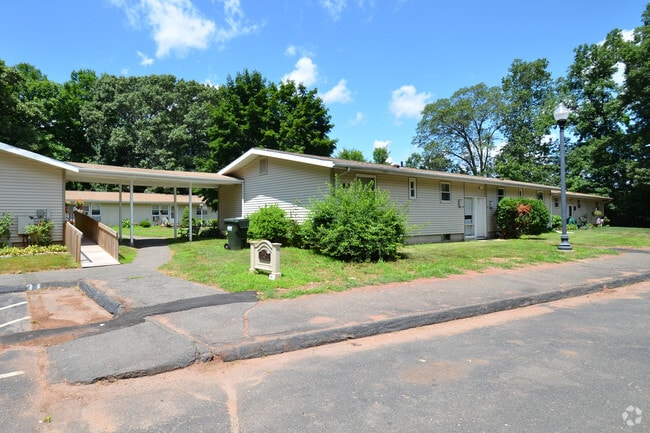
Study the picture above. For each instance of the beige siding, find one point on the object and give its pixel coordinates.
(230, 203)
(27, 186)
(287, 184)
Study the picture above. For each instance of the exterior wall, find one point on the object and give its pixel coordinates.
(291, 185)
(27, 186)
(430, 218)
(230, 203)
(285, 183)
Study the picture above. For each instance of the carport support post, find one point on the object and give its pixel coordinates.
(119, 214)
(131, 215)
(191, 215)
(175, 213)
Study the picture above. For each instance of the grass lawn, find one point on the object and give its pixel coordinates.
(208, 262)
(35, 263)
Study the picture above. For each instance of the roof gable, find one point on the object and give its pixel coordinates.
(36, 157)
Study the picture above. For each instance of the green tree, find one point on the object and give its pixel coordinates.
(636, 57)
(15, 129)
(155, 122)
(529, 99)
(69, 128)
(380, 155)
(464, 128)
(251, 112)
(600, 161)
(351, 155)
(431, 157)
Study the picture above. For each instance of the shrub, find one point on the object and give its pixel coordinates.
(185, 220)
(144, 223)
(355, 223)
(126, 223)
(522, 216)
(270, 223)
(5, 224)
(41, 233)
(556, 223)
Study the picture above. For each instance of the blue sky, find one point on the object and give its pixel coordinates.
(374, 62)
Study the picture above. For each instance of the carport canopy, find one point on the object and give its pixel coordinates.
(113, 175)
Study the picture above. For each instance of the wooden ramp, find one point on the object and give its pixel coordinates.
(94, 255)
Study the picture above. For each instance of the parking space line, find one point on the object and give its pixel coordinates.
(15, 321)
(12, 374)
(13, 305)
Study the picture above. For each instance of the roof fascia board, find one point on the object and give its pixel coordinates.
(253, 153)
(37, 157)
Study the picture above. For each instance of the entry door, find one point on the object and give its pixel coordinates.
(469, 217)
(480, 218)
(475, 218)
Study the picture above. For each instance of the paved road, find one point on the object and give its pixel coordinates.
(576, 365)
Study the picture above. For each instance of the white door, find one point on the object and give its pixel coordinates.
(480, 218)
(475, 218)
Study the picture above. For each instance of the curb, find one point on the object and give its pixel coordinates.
(108, 304)
(265, 347)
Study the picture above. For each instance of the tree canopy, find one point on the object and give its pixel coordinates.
(464, 127)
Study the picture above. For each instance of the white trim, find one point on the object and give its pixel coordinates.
(37, 157)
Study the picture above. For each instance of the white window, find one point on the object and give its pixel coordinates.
(412, 188)
(155, 213)
(264, 166)
(367, 180)
(501, 192)
(445, 191)
(540, 195)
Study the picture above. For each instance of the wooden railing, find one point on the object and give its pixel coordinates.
(72, 240)
(99, 233)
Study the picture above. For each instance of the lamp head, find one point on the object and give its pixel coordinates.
(561, 114)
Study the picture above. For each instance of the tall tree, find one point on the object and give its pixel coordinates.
(351, 155)
(464, 128)
(68, 127)
(15, 129)
(600, 160)
(380, 155)
(529, 95)
(251, 112)
(636, 57)
(154, 121)
(431, 157)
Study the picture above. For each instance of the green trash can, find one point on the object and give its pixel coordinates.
(236, 229)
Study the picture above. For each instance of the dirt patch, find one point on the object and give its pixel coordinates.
(58, 307)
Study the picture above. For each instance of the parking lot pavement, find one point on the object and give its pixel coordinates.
(14, 313)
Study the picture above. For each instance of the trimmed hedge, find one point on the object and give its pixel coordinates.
(522, 216)
(270, 223)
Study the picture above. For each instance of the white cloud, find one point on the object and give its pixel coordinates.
(334, 7)
(177, 26)
(236, 23)
(407, 102)
(358, 119)
(144, 59)
(291, 50)
(339, 93)
(381, 143)
(305, 72)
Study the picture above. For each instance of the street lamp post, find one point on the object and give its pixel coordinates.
(561, 114)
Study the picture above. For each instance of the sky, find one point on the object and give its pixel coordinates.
(375, 63)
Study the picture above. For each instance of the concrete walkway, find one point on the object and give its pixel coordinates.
(165, 323)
